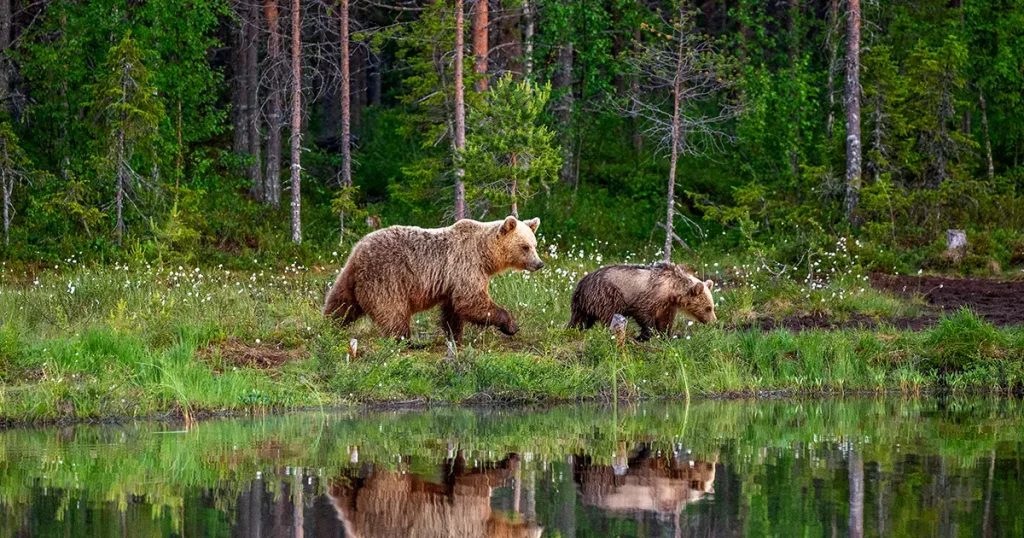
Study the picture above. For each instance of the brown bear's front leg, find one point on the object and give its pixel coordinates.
(480, 309)
(663, 323)
(451, 323)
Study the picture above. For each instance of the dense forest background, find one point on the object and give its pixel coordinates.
(205, 130)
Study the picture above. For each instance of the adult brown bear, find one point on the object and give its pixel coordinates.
(401, 270)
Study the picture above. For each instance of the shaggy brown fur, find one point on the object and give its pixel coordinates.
(650, 294)
(643, 482)
(401, 270)
(388, 503)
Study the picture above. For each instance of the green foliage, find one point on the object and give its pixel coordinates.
(962, 341)
(509, 155)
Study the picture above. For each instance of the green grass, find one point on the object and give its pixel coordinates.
(98, 341)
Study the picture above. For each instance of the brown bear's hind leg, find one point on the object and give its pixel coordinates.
(341, 303)
(451, 324)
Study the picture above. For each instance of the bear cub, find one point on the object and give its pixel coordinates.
(650, 294)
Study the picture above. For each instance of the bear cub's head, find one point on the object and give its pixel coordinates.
(517, 244)
(692, 296)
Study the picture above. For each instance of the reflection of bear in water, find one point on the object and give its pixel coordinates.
(644, 482)
(399, 504)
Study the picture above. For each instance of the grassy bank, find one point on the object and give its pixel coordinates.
(139, 339)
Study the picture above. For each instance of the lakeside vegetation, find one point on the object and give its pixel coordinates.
(85, 341)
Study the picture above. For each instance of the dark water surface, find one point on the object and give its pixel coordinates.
(854, 467)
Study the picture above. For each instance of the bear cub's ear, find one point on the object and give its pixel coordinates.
(697, 289)
(709, 284)
(533, 223)
(508, 225)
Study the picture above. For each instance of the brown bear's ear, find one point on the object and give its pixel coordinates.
(709, 284)
(507, 226)
(533, 223)
(697, 289)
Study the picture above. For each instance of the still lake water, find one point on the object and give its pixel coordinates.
(853, 467)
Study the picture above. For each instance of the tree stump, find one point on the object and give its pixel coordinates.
(956, 245)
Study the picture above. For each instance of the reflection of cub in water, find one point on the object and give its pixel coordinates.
(393, 504)
(644, 482)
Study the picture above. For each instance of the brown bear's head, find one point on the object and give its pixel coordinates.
(516, 246)
(694, 297)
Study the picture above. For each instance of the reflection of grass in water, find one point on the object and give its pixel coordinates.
(114, 462)
(140, 341)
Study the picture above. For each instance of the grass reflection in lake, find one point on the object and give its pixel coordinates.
(888, 467)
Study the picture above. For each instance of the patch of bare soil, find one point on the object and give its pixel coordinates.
(235, 352)
(998, 302)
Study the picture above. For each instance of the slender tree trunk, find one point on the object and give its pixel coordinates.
(252, 74)
(986, 520)
(514, 191)
(7, 184)
(563, 110)
(988, 141)
(374, 88)
(296, 127)
(528, 38)
(346, 135)
(460, 112)
(853, 147)
(856, 477)
(5, 44)
(480, 44)
(634, 90)
(275, 120)
(670, 211)
(299, 517)
(240, 83)
(833, 53)
(121, 182)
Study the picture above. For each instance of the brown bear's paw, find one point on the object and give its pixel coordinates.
(508, 325)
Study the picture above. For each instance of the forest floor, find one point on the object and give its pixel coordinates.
(91, 342)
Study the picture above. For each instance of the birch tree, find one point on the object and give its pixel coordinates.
(852, 98)
(13, 170)
(346, 116)
(460, 112)
(296, 126)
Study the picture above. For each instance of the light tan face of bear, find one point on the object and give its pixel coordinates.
(517, 244)
(696, 301)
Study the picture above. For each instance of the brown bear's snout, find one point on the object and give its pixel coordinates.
(537, 266)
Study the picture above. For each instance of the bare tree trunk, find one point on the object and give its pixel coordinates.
(480, 44)
(5, 44)
(833, 53)
(346, 135)
(856, 477)
(121, 182)
(515, 190)
(563, 110)
(853, 147)
(670, 212)
(988, 141)
(374, 87)
(7, 184)
(253, 86)
(634, 90)
(239, 84)
(275, 120)
(460, 112)
(986, 520)
(528, 38)
(299, 517)
(296, 128)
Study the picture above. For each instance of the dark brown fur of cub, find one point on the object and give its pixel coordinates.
(650, 294)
